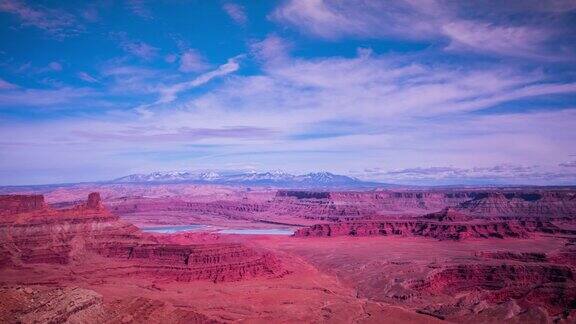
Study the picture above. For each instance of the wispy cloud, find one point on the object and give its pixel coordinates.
(55, 22)
(334, 19)
(236, 12)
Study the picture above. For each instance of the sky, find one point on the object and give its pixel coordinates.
(409, 91)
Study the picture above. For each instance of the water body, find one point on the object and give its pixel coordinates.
(271, 231)
(173, 229)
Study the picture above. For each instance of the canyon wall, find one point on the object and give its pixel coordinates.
(437, 230)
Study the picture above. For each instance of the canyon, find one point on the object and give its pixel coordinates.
(83, 254)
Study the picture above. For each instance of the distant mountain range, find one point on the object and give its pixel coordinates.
(274, 179)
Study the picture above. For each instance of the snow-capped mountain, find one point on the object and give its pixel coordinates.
(252, 178)
(156, 177)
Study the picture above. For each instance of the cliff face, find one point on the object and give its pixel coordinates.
(73, 236)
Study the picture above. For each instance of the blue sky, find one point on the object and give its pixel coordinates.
(416, 92)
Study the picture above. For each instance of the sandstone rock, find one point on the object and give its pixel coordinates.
(71, 235)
